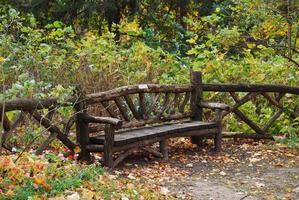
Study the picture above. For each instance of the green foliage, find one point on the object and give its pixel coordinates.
(105, 44)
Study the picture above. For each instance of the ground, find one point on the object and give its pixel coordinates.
(245, 169)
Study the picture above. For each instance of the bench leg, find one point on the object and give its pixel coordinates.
(217, 142)
(164, 149)
(108, 159)
(108, 146)
(217, 139)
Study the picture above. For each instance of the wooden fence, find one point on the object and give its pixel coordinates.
(43, 111)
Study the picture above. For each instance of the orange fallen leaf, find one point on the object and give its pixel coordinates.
(77, 149)
(41, 181)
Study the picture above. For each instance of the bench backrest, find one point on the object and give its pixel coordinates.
(143, 104)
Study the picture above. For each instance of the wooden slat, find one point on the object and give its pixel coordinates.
(165, 104)
(244, 118)
(179, 116)
(134, 135)
(67, 127)
(154, 104)
(184, 103)
(95, 148)
(125, 90)
(109, 109)
(234, 96)
(250, 88)
(122, 109)
(279, 96)
(51, 112)
(203, 132)
(240, 102)
(272, 120)
(32, 104)
(132, 107)
(142, 105)
(272, 100)
(173, 104)
(250, 123)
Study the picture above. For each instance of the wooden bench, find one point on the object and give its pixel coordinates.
(140, 115)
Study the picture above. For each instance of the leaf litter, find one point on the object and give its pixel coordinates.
(260, 169)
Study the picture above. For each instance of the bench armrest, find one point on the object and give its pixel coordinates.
(105, 120)
(214, 105)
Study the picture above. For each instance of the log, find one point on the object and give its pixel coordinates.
(246, 135)
(250, 88)
(108, 108)
(53, 129)
(132, 107)
(122, 109)
(33, 104)
(125, 90)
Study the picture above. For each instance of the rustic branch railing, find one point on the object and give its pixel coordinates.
(272, 93)
(34, 108)
(250, 88)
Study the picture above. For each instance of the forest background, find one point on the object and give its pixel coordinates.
(46, 47)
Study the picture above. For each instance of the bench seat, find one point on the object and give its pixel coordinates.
(124, 137)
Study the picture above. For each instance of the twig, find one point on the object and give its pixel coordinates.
(244, 196)
(3, 113)
(29, 144)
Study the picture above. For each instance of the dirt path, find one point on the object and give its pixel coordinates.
(250, 171)
(275, 183)
(245, 169)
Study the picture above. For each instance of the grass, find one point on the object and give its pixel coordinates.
(51, 176)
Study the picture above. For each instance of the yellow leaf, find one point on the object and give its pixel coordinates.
(2, 59)
(77, 149)
(191, 41)
(250, 45)
(39, 180)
